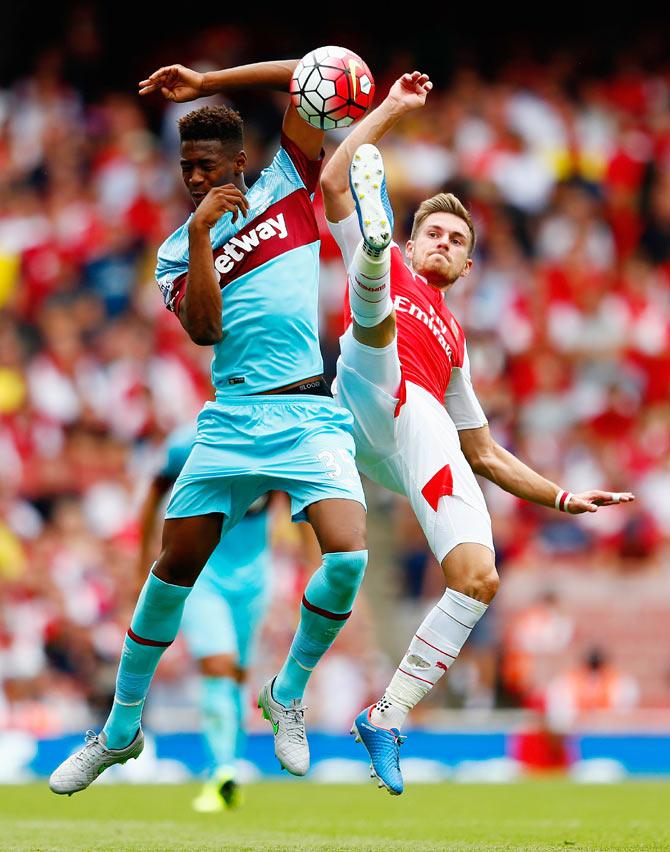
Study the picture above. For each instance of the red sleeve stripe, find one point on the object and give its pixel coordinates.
(308, 170)
(178, 291)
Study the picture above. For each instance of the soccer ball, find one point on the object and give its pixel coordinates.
(332, 87)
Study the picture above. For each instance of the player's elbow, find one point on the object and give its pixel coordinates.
(481, 459)
(202, 331)
(332, 183)
(206, 336)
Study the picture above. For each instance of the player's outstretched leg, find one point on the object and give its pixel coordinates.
(434, 647)
(153, 628)
(370, 270)
(326, 606)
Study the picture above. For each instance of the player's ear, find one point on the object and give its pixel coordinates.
(409, 249)
(239, 162)
(467, 268)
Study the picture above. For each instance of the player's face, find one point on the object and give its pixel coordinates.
(206, 164)
(439, 250)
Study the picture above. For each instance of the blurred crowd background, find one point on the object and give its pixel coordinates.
(563, 155)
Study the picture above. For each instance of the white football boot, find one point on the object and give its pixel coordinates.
(84, 766)
(367, 182)
(288, 726)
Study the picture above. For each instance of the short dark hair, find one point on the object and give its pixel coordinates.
(213, 122)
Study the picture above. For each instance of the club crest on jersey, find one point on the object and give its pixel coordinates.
(238, 247)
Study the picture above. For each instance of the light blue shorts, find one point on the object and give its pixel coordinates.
(221, 622)
(247, 446)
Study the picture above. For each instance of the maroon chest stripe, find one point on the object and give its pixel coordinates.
(285, 225)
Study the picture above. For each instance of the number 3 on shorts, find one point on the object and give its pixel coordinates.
(335, 462)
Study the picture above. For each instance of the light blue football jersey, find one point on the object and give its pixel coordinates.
(268, 266)
(240, 564)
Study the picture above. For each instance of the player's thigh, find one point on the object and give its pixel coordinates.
(379, 365)
(187, 544)
(208, 625)
(368, 387)
(339, 525)
(438, 480)
(318, 472)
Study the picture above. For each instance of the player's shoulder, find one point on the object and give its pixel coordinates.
(173, 247)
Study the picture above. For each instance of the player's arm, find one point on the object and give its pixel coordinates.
(178, 83)
(199, 310)
(406, 94)
(488, 459)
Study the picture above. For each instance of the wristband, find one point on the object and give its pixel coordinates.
(562, 500)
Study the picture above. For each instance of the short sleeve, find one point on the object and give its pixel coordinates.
(347, 235)
(173, 290)
(460, 399)
(309, 170)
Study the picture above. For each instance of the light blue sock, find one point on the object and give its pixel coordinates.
(326, 605)
(241, 701)
(154, 625)
(220, 720)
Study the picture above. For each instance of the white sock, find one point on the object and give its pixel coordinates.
(435, 646)
(370, 286)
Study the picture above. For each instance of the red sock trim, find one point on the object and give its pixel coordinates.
(152, 642)
(416, 677)
(434, 647)
(335, 616)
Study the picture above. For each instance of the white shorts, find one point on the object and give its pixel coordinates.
(406, 441)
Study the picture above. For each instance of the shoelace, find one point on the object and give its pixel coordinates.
(399, 740)
(85, 756)
(295, 724)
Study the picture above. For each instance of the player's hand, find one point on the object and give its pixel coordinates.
(176, 83)
(218, 201)
(590, 501)
(411, 90)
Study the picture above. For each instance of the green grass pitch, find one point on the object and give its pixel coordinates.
(302, 816)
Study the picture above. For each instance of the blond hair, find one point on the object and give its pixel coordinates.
(444, 202)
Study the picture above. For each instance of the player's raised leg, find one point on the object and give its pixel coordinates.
(187, 544)
(326, 605)
(370, 268)
(354, 179)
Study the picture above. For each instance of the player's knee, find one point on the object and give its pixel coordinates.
(219, 665)
(483, 584)
(174, 571)
(345, 570)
